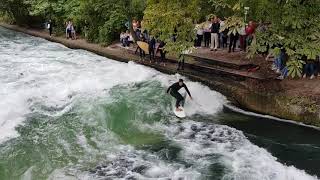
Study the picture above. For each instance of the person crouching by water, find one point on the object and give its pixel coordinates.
(174, 91)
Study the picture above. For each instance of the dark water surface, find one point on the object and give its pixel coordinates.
(291, 144)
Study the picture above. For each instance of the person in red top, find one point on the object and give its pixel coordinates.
(250, 30)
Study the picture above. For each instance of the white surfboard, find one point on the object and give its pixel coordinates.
(181, 114)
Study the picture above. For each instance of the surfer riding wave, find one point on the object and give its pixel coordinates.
(174, 91)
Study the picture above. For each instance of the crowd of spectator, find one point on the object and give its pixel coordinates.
(213, 35)
(154, 46)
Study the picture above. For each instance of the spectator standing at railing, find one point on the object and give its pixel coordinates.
(250, 30)
(68, 29)
(223, 35)
(242, 35)
(207, 33)
(215, 28)
(141, 51)
(73, 32)
(152, 47)
(199, 39)
(233, 41)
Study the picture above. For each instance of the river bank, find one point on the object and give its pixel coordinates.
(290, 99)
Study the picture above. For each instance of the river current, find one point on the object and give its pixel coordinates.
(70, 114)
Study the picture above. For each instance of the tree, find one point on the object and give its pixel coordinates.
(17, 10)
(102, 21)
(172, 22)
(105, 20)
(291, 24)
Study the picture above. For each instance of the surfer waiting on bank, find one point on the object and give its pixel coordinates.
(174, 91)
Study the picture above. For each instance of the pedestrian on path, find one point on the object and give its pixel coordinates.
(73, 32)
(152, 47)
(68, 30)
(50, 27)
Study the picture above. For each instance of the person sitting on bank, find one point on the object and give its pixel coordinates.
(130, 38)
(124, 39)
(174, 91)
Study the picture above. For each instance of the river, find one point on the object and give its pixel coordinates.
(70, 114)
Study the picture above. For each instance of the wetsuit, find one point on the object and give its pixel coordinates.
(174, 91)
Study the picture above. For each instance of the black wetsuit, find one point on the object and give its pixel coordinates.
(174, 91)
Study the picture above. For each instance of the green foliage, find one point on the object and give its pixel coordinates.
(166, 18)
(5, 17)
(292, 24)
(295, 68)
(233, 24)
(109, 31)
(100, 20)
(17, 10)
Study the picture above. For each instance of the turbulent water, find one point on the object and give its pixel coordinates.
(70, 114)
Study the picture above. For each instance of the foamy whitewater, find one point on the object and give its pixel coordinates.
(43, 83)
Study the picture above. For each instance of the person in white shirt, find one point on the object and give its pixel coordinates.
(68, 29)
(215, 28)
(200, 32)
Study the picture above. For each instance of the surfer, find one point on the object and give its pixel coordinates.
(174, 91)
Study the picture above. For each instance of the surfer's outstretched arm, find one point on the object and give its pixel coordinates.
(186, 88)
(169, 89)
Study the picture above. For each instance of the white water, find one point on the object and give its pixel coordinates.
(37, 73)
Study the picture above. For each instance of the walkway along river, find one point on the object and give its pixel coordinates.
(70, 114)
